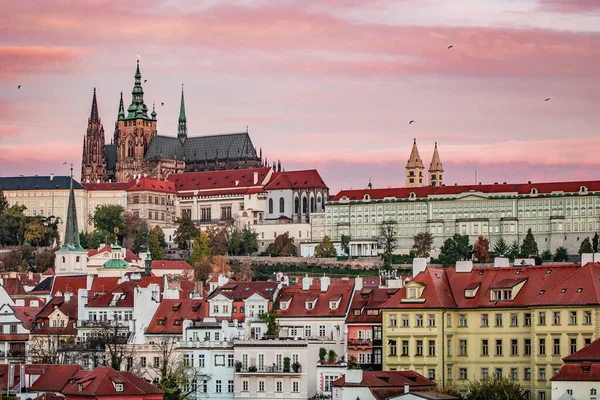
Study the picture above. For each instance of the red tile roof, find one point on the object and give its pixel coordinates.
(151, 185)
(388, 379)
(583, 365)
(129, 255)
(445, 288)
(13, 286)
(125, 290)
(71, 284)
(304, 179)
(368, 299)
(591, 352)
(299, 297)
(68, 308)
(169, 316)
(422, 192)
(166, 264)
(101, 382)
(27, 315)
(53, 378)
(243, 290)
(215, 180)
(92, 186)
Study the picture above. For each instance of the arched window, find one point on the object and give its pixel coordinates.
(297, 205)
(77, 259)
(281, 205)
(270, 206)
(304, 205)
(130, 148)
(312, 205)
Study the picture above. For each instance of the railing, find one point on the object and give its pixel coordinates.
(205, 343)
(12, 354)
(274, 369)
(360, 342)
(109, 324)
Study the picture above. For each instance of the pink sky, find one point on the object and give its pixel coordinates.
(322, 84)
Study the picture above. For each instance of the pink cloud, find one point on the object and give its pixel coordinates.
(18, 61)
(38, 152)
(571, 6)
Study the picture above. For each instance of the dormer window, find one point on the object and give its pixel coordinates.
(413, 293)
(412, 195)
(119, 387)
(534, 191)
(178, 322)
(583, 189)
(357, 312)
(80, 387)
(367, 197)
(309, 305)
(333, 305)
(162, 321)
(284, 304)
(501, 294)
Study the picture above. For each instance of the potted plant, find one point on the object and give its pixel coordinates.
(252, 368)
(332, 356)
(296, 366)
(286, 364)
(322, 354)
(238, 366)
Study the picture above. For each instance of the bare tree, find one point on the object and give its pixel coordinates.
(387, 241)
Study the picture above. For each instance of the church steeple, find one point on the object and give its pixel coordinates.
(182, 125)
(94, 117)
(414, 168)
(93, 159)
(121, 108)
(72, 228)
(436, 170)
(137, 108)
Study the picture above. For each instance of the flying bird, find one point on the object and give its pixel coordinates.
(547, 99)
(145, 80)
(162, 103)
(19, 87)
(65, 163)
(449, 47)
(411, 121)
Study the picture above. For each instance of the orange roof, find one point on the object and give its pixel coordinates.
(304, 179)
(168, 318)
(105, 186)
(213, 180)
(299, 297)
(151, 184)
(170, 264)
(129, 255)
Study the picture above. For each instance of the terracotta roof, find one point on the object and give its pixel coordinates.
(169, 317)
(68, 284)
(579, 288)
(124, 290)
(437, 291)
(299, 297)
(591, 352)
(101, 382)
(151, 185)
(105, 186)
(214, 180)
(368, 299)
(27, 315)
(507, 283)
(388, 379)
(13, 286)
(166, 264)
(303, 179)
(68, 308)
(129, 255)
(243, 290)
(422, 192)
(53, 378)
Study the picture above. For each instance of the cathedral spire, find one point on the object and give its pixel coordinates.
(436, 170)
(182, 126)
(121, 114)
(137, 108)
(94, 117)
(414, 168)
(72, 229)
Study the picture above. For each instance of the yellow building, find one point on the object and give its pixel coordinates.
(455, 325)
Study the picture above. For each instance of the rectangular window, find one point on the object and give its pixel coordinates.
(498, 373)
(485, 374)
(245, 385)
(542, 318)
(556, 319)
(393, 320)
(541, 395)
(462, 374)
(498, 319)
(156, 362)
(573, 317)
(514, 374)
(230, 360)
(462, 320)
(527, 374)
(462, 347)
(498, 347)
(432, 348)
(279, 386)
(405, 320)
(419, 320)
(542, 374)
(431, 320)
(514, 347)
(485, 347)
(587, 317)
(542, 347)
(514, 319)
(261, 362)
(484, 320)
(419, 348)
(392, 344)
(295, 387)
(405, 348)
(201, 360)
(527, 319)
(556, 347)
(143, 361)
(261, 386)
(527, 347)
(321, 330)
(218, 386)
(573, 345)
(431, 373)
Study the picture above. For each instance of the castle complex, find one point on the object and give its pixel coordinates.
(136, 148)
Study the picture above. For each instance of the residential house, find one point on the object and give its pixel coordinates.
(152, 200)
(379, 385)
(579, 376)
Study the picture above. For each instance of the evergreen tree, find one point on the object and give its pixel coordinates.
(546, 255)
(529, 248)
(586, 246)
(514, 250)
(561, 254)
(501, 248)
(595, 240)
(325, 248)
(249, 241)
(456, 248)
(422, 243)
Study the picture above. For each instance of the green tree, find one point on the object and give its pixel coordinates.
(561, 254)
(235, 243)
(325, 248)
(422, 243)
(495, 389)
(387, 241)
(36, 233)
(249, 241)
(501, 248)
(201, 250)
(12, 226)
(595, 240)
(270, 318)
(529, 248)
(481, 249)
(345, 244)
(44, 260)
(546, 255)
(3, 202)
(93, 240)
(283, 246)
(108, 217)
(185, 233)
(514, 250)
(586, 246)
(157, 243)
(456, 248)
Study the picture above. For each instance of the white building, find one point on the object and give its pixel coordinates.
(579, 377)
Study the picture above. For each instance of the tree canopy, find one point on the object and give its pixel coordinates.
(495, 389)
(586, 246)
(529, 248)
(108, 217)
(422, 243)
(456, 248)
(157, 243)
(501, 248)
(283, 246)
(481, 249)
(185, 233)
(325, 248)
(561, 254)
(345, 244)
(387, 241)
(201, 250)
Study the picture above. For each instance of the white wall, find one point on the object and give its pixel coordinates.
(581, 389)
(275, 195)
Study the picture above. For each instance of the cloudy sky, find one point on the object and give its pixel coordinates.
(327, 84)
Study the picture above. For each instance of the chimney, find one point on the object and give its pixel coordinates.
(324, 283)
(358, 283)
(51, 176)
(419, 265)
(88, 282)
(30, 275)
(67, 297)
(354, 376)
(306, 282)
(464, 266)
(255, 177)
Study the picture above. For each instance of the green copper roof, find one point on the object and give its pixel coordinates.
(72, 228)
(121, 108)
(182, 126)
(137, 109)
(115, 263)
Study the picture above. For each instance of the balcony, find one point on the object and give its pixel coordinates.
(272, 370)
(109, 324)
(360, 343)
(196, 344)
(12, 354)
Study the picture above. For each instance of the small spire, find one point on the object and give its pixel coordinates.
(121, 114)
(182, 124)
(72, 229)
(94, 117)
(415, 141)
(153, 114)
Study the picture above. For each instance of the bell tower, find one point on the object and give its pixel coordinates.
(414, 169)
(135, 130)
(436, 171)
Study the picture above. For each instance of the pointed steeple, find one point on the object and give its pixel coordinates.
(436, 170)
(94, 117)
(137, 108)
(414, 161)
(153, 114)
(414, 168)
(72, 228)
(121, 114)
(370, 185)
(182, 125)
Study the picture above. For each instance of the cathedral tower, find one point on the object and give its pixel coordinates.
(93, 161)
(182, 125)
(414, 168)
(436, 171)
(134, 133)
